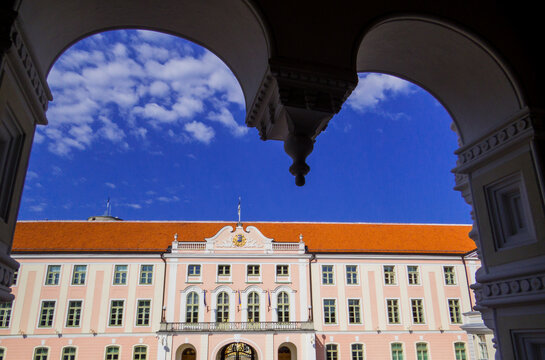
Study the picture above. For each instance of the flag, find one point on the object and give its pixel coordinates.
(204, 296)
(238, 297)
(269, 297)
(238, 209)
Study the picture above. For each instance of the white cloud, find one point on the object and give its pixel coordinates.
(225, 117)
(168, 199)
(133, 206)
(200, 131)
(374, 88)
(158, 88)
(31, 175)
(110, 185)
(38, 207)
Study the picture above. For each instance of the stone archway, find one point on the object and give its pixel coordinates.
(237, 351)
(186, 352)
(287, 351)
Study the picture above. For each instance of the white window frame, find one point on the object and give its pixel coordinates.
(126, 277)
(322, 274)
(357, 283)
(423, 311)
(193, 278)
(336, 312)
(74, 270)
(459, 311)
(40, 315)
(454, 275)
(418, 275)
(47, 272)
(140, 275)
(348, 311)
(384, 275)
(282, 279)
(136, 312)
(400, 322)
(124, 318)
(66, 313)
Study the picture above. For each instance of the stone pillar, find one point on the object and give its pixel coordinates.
(295, 103)
(501, 176)
(24, 96)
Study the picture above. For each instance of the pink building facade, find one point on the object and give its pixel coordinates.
(174, 290)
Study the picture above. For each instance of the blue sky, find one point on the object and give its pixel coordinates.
(156, 123)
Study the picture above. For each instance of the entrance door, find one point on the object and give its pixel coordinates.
(238, 351)
(284, 353)
(189, 354)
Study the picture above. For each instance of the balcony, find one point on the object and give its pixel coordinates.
(237, 326)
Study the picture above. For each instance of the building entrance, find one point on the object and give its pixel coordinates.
(237, 351)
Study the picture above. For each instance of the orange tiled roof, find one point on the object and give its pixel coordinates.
(149, 236)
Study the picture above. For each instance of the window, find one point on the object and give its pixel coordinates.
(68, 353)
(351, 274)
(146, 274)
(74, 313)
(14, 282)
(46, 314)
(224, 270)
(53, 275)
(192, 308)
(357, 351)
(120, 275)
(418, 311)
(112, 353)
(116, 313)
(283, 307)
(397, 351)
(5, 313)
(222, 312)
(450, 277)
(393, 311)
(143, 312)
(2, 353)
(460, 351)
(421, 351)
(282, 270)
(330, 314)
(253, 270)
(412, 273)
(194, 270)
(253, 307)
(78, 277)
(483, 349)
(389, 275)
(354, 311)
(140, 353)
(454, 311)
(41, 353)
(327, 274)
(331, 352)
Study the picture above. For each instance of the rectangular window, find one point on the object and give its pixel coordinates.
(389, 275)
(357, 351)
(78, 278)
(69, 353)
(120, 275)
(331, 352)
(483, 349)
(422, 351)
(112, 353)
(351, 274)
(194, 270)
(327, 274)
(397, 351)
(143, 312)
(330, 311)
(454, 311)
(146, 274)
(253, 270)
(282, 270)
(450, 277)
(46, 314)
(354, 311)
(393, 311)
(5, 313)
(224, 270)
(41, 353)
(53, 275)
(74, 313)
(418, 311)
(460, 350)
(140, 353)
(412, 273)
(116, 313)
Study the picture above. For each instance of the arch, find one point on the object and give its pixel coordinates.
(40, 353)
(243, 44)
(192, 307)
(188, 350)
(427, 52)
(222, 307)
(237, 351)
(283, 306)
(254, 304)
(217, 349)
(283, 355)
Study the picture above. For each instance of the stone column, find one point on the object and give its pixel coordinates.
(501, 176)
(295, 103)
(24, 96)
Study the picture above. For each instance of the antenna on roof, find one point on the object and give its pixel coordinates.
(108, 208)
(239, 223)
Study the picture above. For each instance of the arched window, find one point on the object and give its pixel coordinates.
(112, 353)
(460, 350)
(41, 353)
(140, 353)
(284, 353)
(357, 351)
(253, 307)
(192, 308)
(422, 351)
(2, 353)
(68, 353)
(331, 352)
(283, 307)
(397, 351)
(189, 354)
(222, 311)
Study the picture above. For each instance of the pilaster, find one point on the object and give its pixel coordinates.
(501, 176)
(295, 103)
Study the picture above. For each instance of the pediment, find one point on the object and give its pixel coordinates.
(238, 238)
